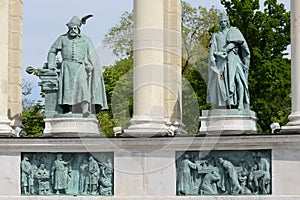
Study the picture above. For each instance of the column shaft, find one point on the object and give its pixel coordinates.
(294, 118)
(4, 40)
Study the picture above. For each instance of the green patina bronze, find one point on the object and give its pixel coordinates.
(229, 61)
(73, 87)
(67, 174)
(224, 172)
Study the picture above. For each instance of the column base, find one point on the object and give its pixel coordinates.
(5, 128)
(293, 126)
(71, 127)
(228, 122)
(146, 127)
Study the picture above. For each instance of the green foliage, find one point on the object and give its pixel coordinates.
(33, 120)
(118, 81)
(107, 123)
(120, 37)
(267, 32)
(197, 25)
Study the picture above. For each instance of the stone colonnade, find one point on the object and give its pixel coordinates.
(10, 64)
(157, 71)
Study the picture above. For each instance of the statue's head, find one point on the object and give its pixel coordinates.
(91, 158)
(59, 156)
(74, 26)
(187, 156)
(221, 160)
(26, 158)
(224, 20)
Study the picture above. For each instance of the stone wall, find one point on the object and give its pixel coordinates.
(145, 168)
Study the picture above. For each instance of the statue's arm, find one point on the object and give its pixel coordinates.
(212, 51)
(92, 59)
(55, 48)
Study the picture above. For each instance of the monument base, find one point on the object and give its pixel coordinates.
(228, 121)
(293, 126)
(71, 127)
(146, 168)
(290, 129)
(152, 127)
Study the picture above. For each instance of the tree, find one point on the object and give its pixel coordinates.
(26, 90)
(120, 37)
(33, 113)
(267, 33)
(33, 120)
(118, 81)
(197, 26)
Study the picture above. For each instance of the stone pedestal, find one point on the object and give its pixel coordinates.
(228, 121)
(71, 127)
(146, 168)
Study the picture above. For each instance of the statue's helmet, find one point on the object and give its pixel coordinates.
(75, 21)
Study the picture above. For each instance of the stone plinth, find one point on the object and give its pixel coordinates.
(228, 121)
(71, 127)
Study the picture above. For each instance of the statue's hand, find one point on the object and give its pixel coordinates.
(221, 54)
(89, 67)
(230, 46)
(52, 67)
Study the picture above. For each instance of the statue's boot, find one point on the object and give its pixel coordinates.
(85, 109)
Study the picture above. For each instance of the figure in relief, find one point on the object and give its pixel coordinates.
(26, 176)
(60, 175)
(43, 177)
(106, 184)
(93, 175)
(231, 175)
(185, 183)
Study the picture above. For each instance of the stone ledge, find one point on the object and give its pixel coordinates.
(273, 197)
(180, 143)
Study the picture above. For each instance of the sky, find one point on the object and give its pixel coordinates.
(45, 20)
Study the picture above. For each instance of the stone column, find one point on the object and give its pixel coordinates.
(157, 68)
(148, 117)
(172, 62)
(15, 61)
(4, 40)
(294, 118)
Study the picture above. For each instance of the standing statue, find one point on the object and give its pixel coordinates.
(81, 85)
(93, 175)
(185, 183)
(83, 176)
(60, 175)
(229, 61)
(26, 176)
